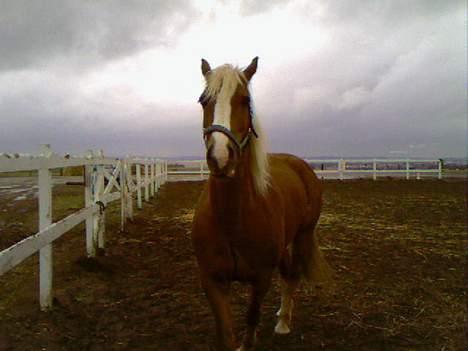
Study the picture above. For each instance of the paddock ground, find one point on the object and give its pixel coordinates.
(397, 248)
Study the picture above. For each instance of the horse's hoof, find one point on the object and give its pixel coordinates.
(282, 328)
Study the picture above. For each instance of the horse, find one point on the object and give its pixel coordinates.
(257, 212)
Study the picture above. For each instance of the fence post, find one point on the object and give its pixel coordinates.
(89, 201)
(201, 170)
(165, 171)
(158, 174)
(123, 194)
(99, 218)
(146, 182)
(407, 169)
(45, 219)
(138, 181)
(341, 167)
(128, 181)
(156, 188)
(155, 181)
(374, 168)
(441, 164)
(152, 178)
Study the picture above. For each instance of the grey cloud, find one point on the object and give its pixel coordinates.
(85, 32)
(388, 12)
(253, 7)
(376, 89)
(32, 116)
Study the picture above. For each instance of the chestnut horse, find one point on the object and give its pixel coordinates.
(257, 212)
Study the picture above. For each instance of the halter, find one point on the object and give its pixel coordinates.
(219, 128)
(240, 145)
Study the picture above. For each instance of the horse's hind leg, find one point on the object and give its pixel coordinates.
(288, 283)
(288, 287)
(303, 260)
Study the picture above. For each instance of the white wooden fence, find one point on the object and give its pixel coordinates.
(377, 167)
(121, 184)
(334, 168)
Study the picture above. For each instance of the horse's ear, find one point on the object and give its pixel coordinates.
(251, 69)
(205, 67)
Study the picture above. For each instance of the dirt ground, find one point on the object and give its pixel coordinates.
(397, 248)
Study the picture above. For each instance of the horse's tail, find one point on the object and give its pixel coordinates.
(314, 267)
(306, 252)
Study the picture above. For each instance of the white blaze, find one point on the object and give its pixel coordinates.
(222, 116)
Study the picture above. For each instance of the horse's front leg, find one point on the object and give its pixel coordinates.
(218, 294)
(259, 291)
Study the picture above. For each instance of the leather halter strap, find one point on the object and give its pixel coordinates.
(219, 128)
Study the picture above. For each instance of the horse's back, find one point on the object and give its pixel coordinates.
(302, 193)
(301, 188)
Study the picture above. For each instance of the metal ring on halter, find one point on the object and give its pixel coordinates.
(219, 128)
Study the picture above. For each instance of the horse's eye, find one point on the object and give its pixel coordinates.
(204, 98)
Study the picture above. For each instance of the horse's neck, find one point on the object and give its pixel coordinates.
(230, 197)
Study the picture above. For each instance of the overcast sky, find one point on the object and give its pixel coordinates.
(337, 78)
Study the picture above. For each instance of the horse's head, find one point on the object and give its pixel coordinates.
(227, 116)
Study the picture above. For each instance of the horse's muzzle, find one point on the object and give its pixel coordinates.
(228, 168)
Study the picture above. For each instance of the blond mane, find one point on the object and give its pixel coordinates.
(223, 80)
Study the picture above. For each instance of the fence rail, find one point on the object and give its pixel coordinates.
(336, 168)
(121, 184)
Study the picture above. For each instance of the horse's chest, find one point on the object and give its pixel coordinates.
(255, 249)
(240, 247)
